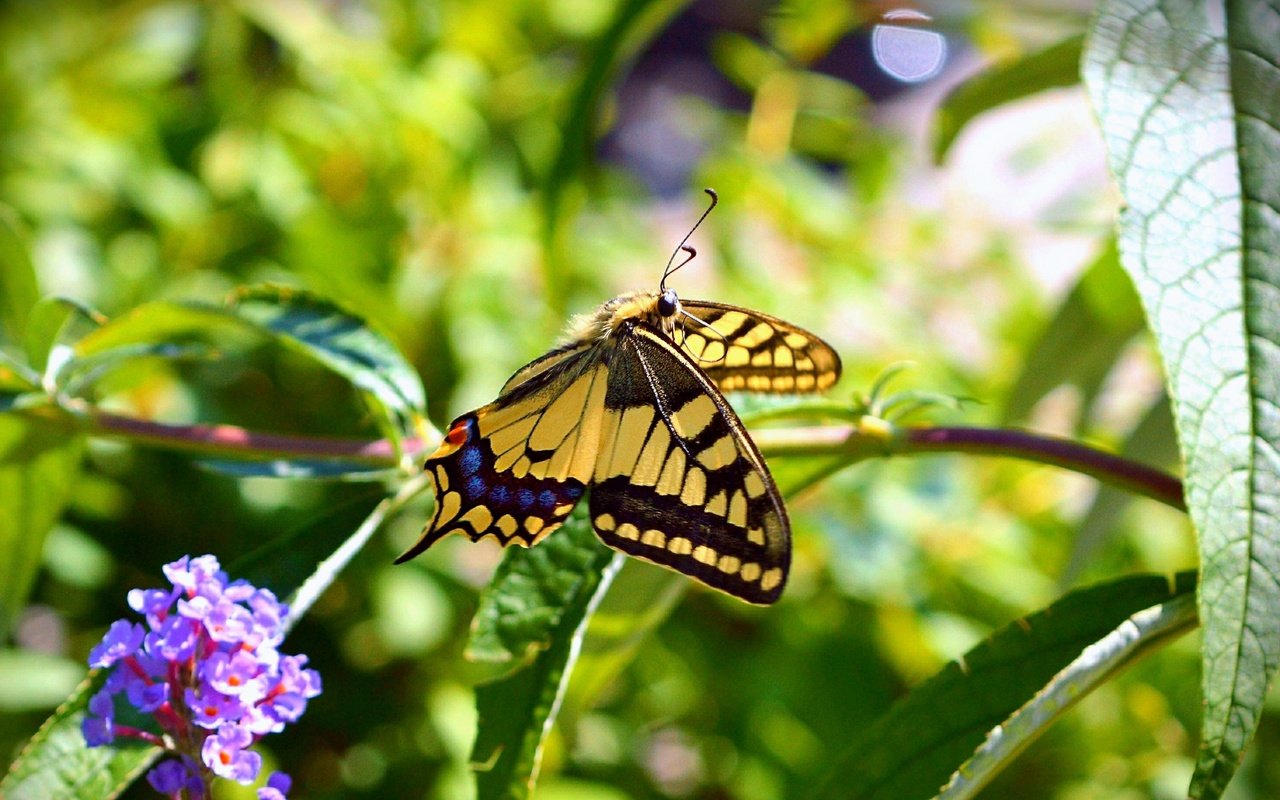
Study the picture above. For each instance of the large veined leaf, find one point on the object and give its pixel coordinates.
(916, 747)
(521, 607)
(1186, 95)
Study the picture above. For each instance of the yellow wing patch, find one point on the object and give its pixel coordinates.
(744, 350)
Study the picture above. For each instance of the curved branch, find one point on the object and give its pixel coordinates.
(872, 438)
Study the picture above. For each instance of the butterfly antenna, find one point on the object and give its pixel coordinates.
(666, 273)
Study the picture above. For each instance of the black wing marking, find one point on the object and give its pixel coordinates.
(678, 482)
(746, 350)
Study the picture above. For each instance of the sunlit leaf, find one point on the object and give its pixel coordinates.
(1136, 636)
(516, 710)
(1089, 331)
(55, 327)
(19, 289)
(38, 466)
(340, 340)
(522, 606)
(911, 751)
(1051, 68)
(56, 765)
(1189, 117)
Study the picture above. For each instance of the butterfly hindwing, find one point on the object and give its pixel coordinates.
(515, 468)
(678, 482)
(745, 350)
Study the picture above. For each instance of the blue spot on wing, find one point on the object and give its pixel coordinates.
(475, 487)
(500, 495)
(469, 460)
(547, 499)
(525, 499)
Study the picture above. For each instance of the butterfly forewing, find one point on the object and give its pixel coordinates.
(744, 350)
(678, 482)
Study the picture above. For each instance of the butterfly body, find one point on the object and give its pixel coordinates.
(629, 411)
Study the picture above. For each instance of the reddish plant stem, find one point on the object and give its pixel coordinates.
(232, 439)
(875, 440)
(869, 439)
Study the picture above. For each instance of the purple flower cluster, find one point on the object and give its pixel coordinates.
(207, 668)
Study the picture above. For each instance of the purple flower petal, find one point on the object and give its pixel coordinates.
(228, 623)
(155, 604)
(98, 726)
(277, 787)
(171, 776)
(225, 753)
(122, 638)
(230, 673)
(146, 696)
(175, 640)
(211, 708)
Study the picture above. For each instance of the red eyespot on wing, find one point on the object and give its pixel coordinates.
(457, 435)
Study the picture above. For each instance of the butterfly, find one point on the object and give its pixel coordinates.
(630, 410)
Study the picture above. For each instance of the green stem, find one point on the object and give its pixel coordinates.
(873, 438)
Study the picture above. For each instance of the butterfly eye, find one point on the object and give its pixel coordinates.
(668, 303)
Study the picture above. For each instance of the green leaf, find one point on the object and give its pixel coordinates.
(55, 326)
(38, 467)
(914, 748)
(56, 765)
(1133, 638)
(641, 598)
(19, 289)
(1089, 331)
(347, 344)
(1189, 116)
(521, 607)
(320, 329)
(1051, 68)
(634, 24)
(516, 710)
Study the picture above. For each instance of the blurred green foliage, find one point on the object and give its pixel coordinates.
(404, 158)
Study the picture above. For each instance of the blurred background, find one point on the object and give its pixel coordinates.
(468, 175)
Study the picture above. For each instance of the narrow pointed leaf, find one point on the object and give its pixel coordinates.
(1135, 637)
(39, 463)
(1189, 115)
(19, 289)
(516, 710)
(1054, 67)
(346, 343)
(911, 751)
(1080, 344)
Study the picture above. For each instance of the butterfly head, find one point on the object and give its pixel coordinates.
(668, 304)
